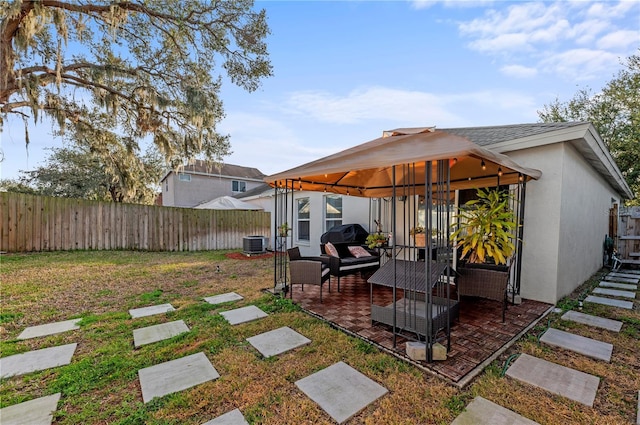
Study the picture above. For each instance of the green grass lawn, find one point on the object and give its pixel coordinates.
(101, 384)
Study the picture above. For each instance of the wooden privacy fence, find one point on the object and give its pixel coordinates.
(629, 235)
(38, 223)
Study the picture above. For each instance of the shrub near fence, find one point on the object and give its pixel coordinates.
(39, 223)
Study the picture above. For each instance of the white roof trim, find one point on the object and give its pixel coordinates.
(586, 140)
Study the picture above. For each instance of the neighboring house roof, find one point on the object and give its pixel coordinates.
(256, 192)
(226, 170)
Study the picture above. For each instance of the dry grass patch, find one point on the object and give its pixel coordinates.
(101, 384)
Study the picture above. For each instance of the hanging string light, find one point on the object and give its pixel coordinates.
(499, 172)
(483, 165)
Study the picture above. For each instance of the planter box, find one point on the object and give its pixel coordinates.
(420, 239)
(484, 281)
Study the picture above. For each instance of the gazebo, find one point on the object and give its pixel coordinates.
(409, 168)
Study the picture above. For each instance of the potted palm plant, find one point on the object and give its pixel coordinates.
(485, 234)
(487, 226)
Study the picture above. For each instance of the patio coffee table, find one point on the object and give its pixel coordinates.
(411, 311)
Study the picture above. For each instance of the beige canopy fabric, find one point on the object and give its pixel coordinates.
(367, 169)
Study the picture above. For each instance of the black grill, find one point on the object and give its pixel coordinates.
(346, 233)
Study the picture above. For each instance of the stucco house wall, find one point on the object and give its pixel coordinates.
(354, 210)
(542, 217)
(585, 206)
(566, 217)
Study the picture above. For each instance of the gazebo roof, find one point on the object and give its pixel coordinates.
(367, 169)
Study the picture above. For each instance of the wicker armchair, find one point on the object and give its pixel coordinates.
(490, 284)
(308, 270)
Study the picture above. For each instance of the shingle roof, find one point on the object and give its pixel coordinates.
(226, 170)
(258, 190)
(230, 170)
(486, 136)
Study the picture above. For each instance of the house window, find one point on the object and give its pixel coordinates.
(304, 222)
(166, 185)
(238, 186)
(332, 211)
(184, 177)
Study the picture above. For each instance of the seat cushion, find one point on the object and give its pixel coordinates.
(353, 263)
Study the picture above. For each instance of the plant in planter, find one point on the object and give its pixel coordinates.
(376, 240)
(418, 235)
(487, 228)
(284, 229)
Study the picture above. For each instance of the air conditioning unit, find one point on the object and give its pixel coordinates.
(252, 245)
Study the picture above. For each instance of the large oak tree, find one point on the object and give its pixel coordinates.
(112, 74)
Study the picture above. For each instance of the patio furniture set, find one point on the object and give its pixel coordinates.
(409, 312)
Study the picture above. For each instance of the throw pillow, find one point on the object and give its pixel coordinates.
(359, 252)
(331, 250)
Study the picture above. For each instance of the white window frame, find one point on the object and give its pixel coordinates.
(240, 185)
(184, 177)
(303, 220)
(325, 200)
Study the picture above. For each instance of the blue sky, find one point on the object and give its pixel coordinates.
(344, 71)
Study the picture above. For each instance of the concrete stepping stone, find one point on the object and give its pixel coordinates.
(627, 275)
(587, 319)
(223, 298)
(341, 391)
(37, 360)
(243, 314)
(633, 280)
(564, 381)
(615, 285)
(157, 333)
(233, 417)
(175, 375)
(614, 293)
(484, 412)
(49, 329)
(38, 411)
(150, 311)
(278, 341)
(610, 302)
(579, 344)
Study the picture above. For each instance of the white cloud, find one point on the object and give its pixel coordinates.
(519, 71)
(581, 64)
(424, 4)
(619, 39)
(501, 43)
(373, 103)
(272, 141)
(611, 10)
(574, 39)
